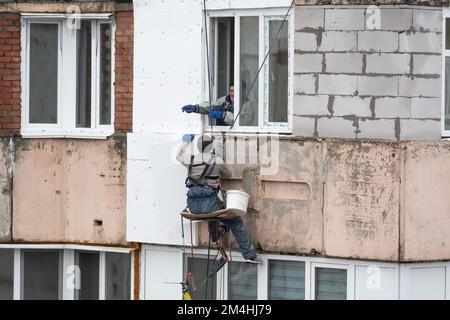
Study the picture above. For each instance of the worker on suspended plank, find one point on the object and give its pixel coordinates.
(204, 173)
(222, 110)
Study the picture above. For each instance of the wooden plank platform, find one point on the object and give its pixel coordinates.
(221, 214)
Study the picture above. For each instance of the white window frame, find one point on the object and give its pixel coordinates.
(350, 277)
(236, 257)
(101, 272)
(263, 271)
(292, 259)
(265, 15)
(445, 53)
(67, 259)
(61, 277)
(311, 263)
(406, 280)
(221, 276)
(66, 117)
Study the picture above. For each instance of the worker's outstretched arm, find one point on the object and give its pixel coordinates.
(206, 108)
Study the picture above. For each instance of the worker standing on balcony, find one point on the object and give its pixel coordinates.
(205, 171)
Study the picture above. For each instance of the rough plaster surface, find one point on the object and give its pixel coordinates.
(6, 166)
(62, 186)
(361, 200)
(370, 200)
(426, 213)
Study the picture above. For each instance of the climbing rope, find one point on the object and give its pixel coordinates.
(208, 64)
(231, 127)
(207, 268)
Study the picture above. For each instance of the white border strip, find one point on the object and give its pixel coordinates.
(67, 15)
(67, 247)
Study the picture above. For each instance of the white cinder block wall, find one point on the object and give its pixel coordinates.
(354, 81)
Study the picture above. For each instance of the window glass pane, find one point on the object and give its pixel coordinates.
(84, 69)
(249, 64)
(242, 281)
(43, 73)
(41, 275)
(278, 72)
(198, 267)
(225, 55)
(88, 262)
(6, 274)
(447, 33)
(447, 93)
(118, 276)
(105, 73)
(287, 280)
(331, 284)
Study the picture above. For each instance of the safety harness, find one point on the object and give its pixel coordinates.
(202, 181)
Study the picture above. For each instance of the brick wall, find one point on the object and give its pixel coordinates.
(355, 81)
(124, 72)
(9, 74)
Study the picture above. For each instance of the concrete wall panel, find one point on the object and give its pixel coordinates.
(426, 214)
(6, 167)
(361, 200)
(70, 191)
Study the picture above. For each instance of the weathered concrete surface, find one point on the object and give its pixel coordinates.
(370, 200)
(293, 194)
(426, 211)
(290, 202)
(6, 168)
(361, 217)
(70, 191)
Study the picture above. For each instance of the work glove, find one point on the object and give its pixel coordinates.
(188, 137)
(216, 115)
(189, 108)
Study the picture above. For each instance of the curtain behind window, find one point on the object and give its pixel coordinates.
(286, 280)
(242, 281)
(331, 284)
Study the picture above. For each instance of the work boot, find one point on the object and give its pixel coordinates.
(255, 260)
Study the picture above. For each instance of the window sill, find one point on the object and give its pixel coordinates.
(249, 130)
(49, 134)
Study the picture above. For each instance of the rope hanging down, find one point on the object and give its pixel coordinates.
(207, 62)
(235, 119)
(263, 63)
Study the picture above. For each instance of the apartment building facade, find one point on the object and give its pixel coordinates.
(66, 75)
(344, 130)
(346, 124)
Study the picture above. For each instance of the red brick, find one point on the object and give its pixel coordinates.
(11, 77)
(124, 71)
(13, 41)
(13, 65)
(15, 53)
(11, 125)
(10, 87)
(4, 83)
